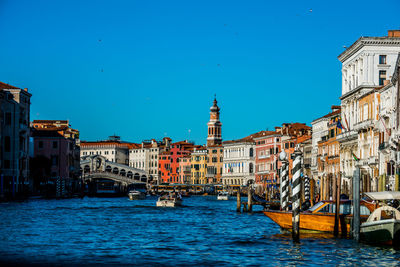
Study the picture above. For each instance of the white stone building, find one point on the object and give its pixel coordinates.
(366, 65)
(238, 162)
(113, 150)
(145, 156)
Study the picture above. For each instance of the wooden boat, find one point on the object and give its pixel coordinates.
(321, 217)
(169, 201)
(223, 195)
(383, 225)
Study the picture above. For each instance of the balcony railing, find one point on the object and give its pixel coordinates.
(346, 136)
(364, 124)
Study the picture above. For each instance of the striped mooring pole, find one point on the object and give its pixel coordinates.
(284, 181)
(296, 183)
(306, 188)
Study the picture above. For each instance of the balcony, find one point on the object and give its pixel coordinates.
(372, 161)
(263, 172)
(264, 157)
(363, 125)
(347, 136)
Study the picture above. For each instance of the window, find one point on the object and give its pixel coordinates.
(291, 144)
(7, 164)
(8, 118)
(54, 160)
(55, 144)
(382, 76)
(7, 144)
(251, 152)
(382, 59)
(40, 144)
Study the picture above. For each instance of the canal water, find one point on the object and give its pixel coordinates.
(115, 231)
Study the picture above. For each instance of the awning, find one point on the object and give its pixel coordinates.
(384, 195)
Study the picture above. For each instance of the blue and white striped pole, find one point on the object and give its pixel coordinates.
(296, 183)
(284, 181)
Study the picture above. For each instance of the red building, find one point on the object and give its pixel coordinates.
(268, 147)
(169, 161)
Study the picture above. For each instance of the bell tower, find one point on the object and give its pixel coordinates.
(214, 136)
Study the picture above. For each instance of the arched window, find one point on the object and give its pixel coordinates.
(251, 152)
(251, 168)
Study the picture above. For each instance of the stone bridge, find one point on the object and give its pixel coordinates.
(98, 167)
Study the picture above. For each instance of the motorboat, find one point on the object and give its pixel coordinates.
(135, 195)
(170, 200)
(223, 195)
(321, 216)
(383, 225)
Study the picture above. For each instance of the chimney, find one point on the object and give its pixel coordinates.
(393, 33)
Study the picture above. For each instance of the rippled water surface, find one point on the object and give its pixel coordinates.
(204, 232)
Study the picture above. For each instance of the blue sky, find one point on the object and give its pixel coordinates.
(149, 69)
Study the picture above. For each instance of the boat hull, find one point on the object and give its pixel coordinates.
(168, 203)
(381, 232)
(309, 222)
(222, 197)
(136, 196)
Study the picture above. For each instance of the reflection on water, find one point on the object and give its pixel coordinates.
(204, 231)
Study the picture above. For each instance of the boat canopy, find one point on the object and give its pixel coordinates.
(384, 195)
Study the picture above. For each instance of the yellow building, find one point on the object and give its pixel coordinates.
(214, 164)
(199, 166)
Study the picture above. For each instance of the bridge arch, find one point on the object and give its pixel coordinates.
(137, 176)
(86, 168)
(143, 178)
(108, 168)
(129, 174)
(115, 170)
(122, 172)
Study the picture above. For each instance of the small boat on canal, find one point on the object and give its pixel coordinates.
(223, 195)
(321, 216)
(135, 195)
(383, 225)
(170, 200)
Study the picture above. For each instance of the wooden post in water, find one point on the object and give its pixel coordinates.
(249, 200)
(238, 201)
(337, 210)
(296, 191)
(356, 204)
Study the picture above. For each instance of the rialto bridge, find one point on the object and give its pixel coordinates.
(96, 169)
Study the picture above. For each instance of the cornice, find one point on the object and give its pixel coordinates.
(364, 41)
(355, 90)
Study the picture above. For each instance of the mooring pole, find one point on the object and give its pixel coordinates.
(249, 199)
(238, 201)
(337, 210)
(356, 204)
(306, 188)
(296, 196)
(284, 181)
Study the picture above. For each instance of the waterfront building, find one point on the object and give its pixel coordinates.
(329, 158)
(214, 164)
(387, 126)
(293, 134)
(145, 156)
(325, 161)
(366, 65)
(267, 149)
(169, 165)
(185, 169)
(113, 149)
(199, 166)
(239, 161)
(56, 152)
(14, 139)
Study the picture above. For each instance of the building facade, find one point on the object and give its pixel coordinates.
(366, 66)
(14, 140)
(199, 166)
(113, 149)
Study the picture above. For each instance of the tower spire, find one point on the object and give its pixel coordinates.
(214, 136)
